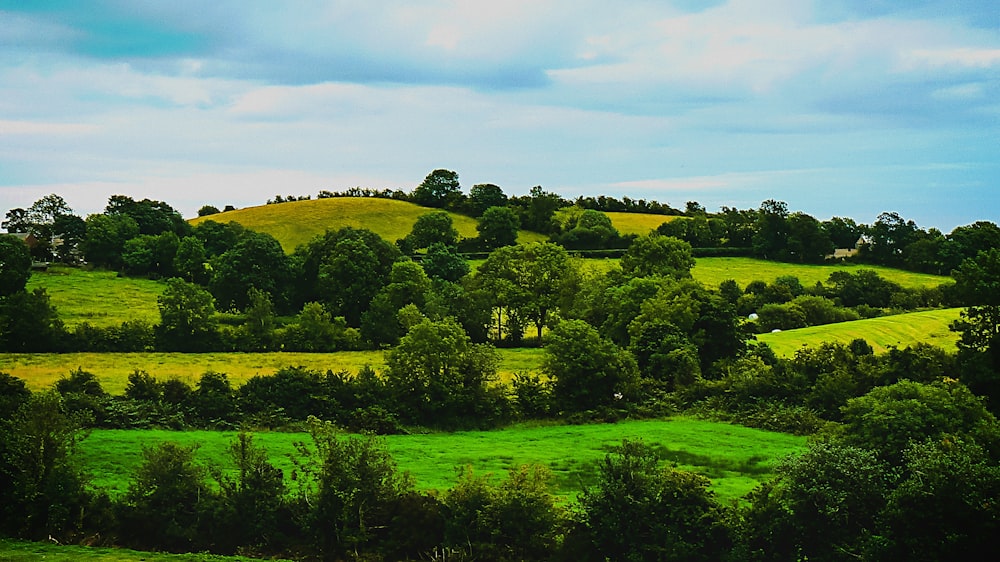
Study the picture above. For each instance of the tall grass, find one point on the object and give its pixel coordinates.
(900, 330)
(735, 458)
(41, 370)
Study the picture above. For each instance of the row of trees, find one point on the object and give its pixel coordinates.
(910, 473)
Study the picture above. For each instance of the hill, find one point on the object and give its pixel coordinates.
(296, 222)
(101, 298)
(712, 271)
(900, 330)
(638, 223)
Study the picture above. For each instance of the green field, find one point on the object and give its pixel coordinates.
(41, 370)
(297, 222)
(638, 223)
(734, 457)
(23, 551)
(900, 330)
(712, 271)
(101, 298)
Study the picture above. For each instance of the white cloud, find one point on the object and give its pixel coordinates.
(45, 128)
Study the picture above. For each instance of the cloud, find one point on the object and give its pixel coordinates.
(8, 128)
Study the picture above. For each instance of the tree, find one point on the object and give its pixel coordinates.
(977, 286)
(439, 377)
(443, 262)
(187, 320)
(106, 237)
(15, 265)
(42, 487)
(152, 217)
(771, 232)
(151, 255)
(256, 261)
(191, 261)
(482, 196)
(639, 511)
(431, 228)
(658, 255)
(587, 371)
(497, 227)
(206, 210)
(439, 189)
(168, 500)
(252, 500)
(807, 241)
(537, 209)
(29, 323)
(888, 236)
(16, 220)
(843, 232)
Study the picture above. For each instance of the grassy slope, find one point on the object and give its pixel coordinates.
(712, 271)
(41, 370)
(638, 223)
(297, 222)
(98, 297)
(735, 458)
(900, 330)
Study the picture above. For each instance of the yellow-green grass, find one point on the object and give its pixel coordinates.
(712, 271)
(101, 298)
(735, 458)
(638, 223)
(24, 551)
(900, 330)
(295, 223)
(42, 370)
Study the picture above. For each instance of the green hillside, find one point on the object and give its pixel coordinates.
(900, 330)
(712, 271)
(296, 222)
(638, 223)
(101, 298)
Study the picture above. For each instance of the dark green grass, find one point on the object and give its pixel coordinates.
(734, 457)
(23, 551)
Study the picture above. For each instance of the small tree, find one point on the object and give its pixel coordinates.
(497, 227)
(658, 255)
(587, 371)
(187, 320)
(15, 265)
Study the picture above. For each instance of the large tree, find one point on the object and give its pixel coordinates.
(658, 255)
(15, 265)
(498, 227)
(430, 228)
(187, 317)
(256, 261)
(587, 370)
(439, 189)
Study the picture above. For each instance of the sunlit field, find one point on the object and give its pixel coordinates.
(639, 223)
(101, 298)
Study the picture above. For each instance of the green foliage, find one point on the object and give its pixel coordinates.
(187, 321)
(638, 511)
(516, 519)
(587, 370)
(429, 229)
(658, 255)
(256, 261)
(29, 323)
(439, 189)
(482, 196)
(169, 502)
(824, 505)
(252, 505)
(442, 262)
(15, 265)
(106, 237)
(497, 227)
(151, 255)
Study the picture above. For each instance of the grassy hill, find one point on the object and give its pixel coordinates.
(295, 223)
(638, 223)
(900, 330)
(712, 271)
(101, 298)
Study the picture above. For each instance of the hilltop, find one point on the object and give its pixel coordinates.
(296, 222)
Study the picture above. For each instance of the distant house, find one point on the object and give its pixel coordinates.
(841, 253)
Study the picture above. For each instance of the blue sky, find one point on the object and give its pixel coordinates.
(838, 107)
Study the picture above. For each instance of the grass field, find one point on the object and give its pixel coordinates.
(712, 271)
(23, 551)
(101, 298)
(900, 330)
(297, 222)
(41, 370)
(638, 223)
(734, 457)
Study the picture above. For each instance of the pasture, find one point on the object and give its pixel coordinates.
(42, 370)
(639, 223)
(295, 223)
(900, 330)
(101, 298)
(735, 458)
(712, 271)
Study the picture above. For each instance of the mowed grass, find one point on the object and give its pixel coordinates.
(639, 223)
(24, 551)
(42, 370)
(101, 298)
(298, 222)
(900, 330)
(712, 271)
(735, 458)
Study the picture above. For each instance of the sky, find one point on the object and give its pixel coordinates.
(837, 107)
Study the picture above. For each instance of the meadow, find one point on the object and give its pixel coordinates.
(101, 298)
(899, 330)
(297, 222)
(42, 370)
(23, 551)
(712, 271)
(735, 458)
(638, 223)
